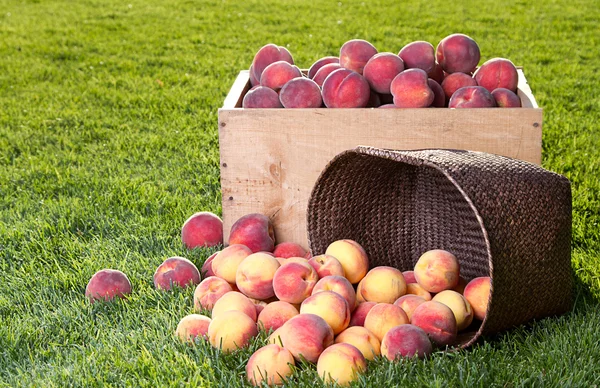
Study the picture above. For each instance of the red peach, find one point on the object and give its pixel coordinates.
(437, 270)
(455, 81)
(254, 231)
(458, 53)
(319, 64)
(192, 326)
(381, 69)
(301, 93)
(107, 284)
(437, 74)
(305, 336)
(506, 98)
(261, 97)
(360, 313)
(266, 55)
(345, 88)
(406, 341)
(362, 339)
(234, 300)
(203, 229)
(289, 249)
(326, 265)
(353, 258)
(419, 54)
(206, 269)
(253, 80)
(355, 54)
(383, 285)
(409, 303)
(254, 275)
(176, 271)
(226, 263)
(275, 314)
(411, 89)
(497, 73)
(209, 291)
(409, 277)
(294, 282)
(439, 99)
(339, 285)
(278, 74)
(472, 97)
(324, 71)
(437, 320)
(477, 292)
(270, 364)
(384, 316)
(341, 364)
(231, 330)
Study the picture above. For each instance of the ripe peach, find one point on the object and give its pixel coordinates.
(384, 316)
(419, 54)
(405, 341)
(234, 300)
(270, 364)
(341, 363)
(206, 269)
(192, 326)
(506, 98)
(383, 285)
(107, 284)
(362, 339)
(455, 81)
(226, 263)
(459, 305)
(381, 69)
(254, 275)
(497, 73)
(278, 74)
(176, 271)
(353, 258)
(209, 291)
(472, 97)
(416, 289)
(437, 270)
(275, 314)
(409, 277)
(301, 93)
(254, 231)
(294, 282)
(437, 320)
(231, 330)
(355, 54)
(409, 303)
(326, 265)
(253, 80)
(319, 64)
(345, 88)
(439, 99)
(289, 249)
(339, 285)
(203, 229)
(305, 336)
(458, 53)
(324, 71)
(437, 74)
(330, 306)
(359, 295)
(411, 89)
(266, 55)
(261, 97)
(477, 293)
(360, 313)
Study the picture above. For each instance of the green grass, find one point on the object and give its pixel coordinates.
(108, 141)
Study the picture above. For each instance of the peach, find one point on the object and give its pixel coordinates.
(305, 336)
(360, 313)
(437, 320)
(202, 229)
(419, 54)
(497, 73)
(353, 258)
(506, 98)
(455, 81)
(289, 249)
(384, 316)
(330, 306)
(459, 306)
(324, 71)
(275, 314)
(359, 295)
(270, 364)
(326, 265)
(231, 330)
(345, 88)
(439, 99)
(300, 260)
(383, 285)
(261, 97)
(437, 74)
(477, 293)
(437, 270)
(362, 339)
(266, 55)
(381, 69)
(458, 53)
(206, 269)
(409, 277)
(176, 271)
(411, 89)
(259, 305)
(301, 93)
(254, 231)
(416, 289)
(294, 282)
(339, 285)
(209, 291)
(406, 341)
(226, 263)
(472, 97)
(409, 303)
(341, 363)
(253, 80)
(278, 74)
(234, 301)
(107, 284)
(192, 326)
(254, 275)
(312, 71)
(355, 53)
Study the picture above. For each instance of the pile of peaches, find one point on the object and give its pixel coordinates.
(331, 309)
(419, 76)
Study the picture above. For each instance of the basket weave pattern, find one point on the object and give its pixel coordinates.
(501, 217)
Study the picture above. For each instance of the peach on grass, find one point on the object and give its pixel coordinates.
(339, 285)
(345, 88)
(477, 293)
(271, 364)
(506, 98)
(416, 289)
(360, 313)
(278, 74)
(437, 270)
(202, 229)
(352, 257)
(231, 330)
(209, 291)
(326, 265)
(406, 341)
(107, 284)
(312, 71)
(355, 53)
(293, 282)
(362, 339)
(411, 89)
(176, 271)
(261, 97)
(301, 92)
(237, 301)
(226, 263)
(330, 306)
(409, 303)
(459, 306)
(383, 285)
(419, 54)
(324, 71)
(472, 97)
(458, 53)
(206, 269)
(192, 326)
(254, 275)
(305, 336)
(437, 320)
(265, 56)
(254, 231)
(289, 249)
(384, 316)
(455, 81)
(497, 73)
(275, 314)
(341, 363)
(381, 69)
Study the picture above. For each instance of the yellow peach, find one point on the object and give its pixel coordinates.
(254, 275)
(363, 339)
(437, 270)
(234, 300)
(384, 316)
(352, 257)
(192, 326)
(341, 363)
(231, 330)
(271, 364)
(330, 306)
(383, 285)
(459, 306)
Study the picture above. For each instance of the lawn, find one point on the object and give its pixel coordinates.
(109, 141)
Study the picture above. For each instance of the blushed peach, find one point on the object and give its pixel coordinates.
(506, 98)
(383, 285)
(437, 320)
(275, 314)
(409, 303)
(405, 341)
(300, 260)
(330, 306)
(439, 99)
(384, 316)
(289, 249)
(202, 229)
(419, 54)
(312, 71)
(266, 55)
(254, 231)
(458, 53)
(305, 336)
(437, 74)
(301, 93)
(497, 73)
(206, 270)
(192, 326)
(339, 285)
(355, 53)
(254, 275)
(271, 364)
(360, 313)
(294, 282)
(209, 291)
(176, 271)
(459, 306)
(362, 339)
(416, 289)
(409, 277)
(437, 270)
(472, 97)
(341, 363)
(226, 263)
(253, 80)
(107, 284)
(261, 97)
(345, 88)
(477, 293)
(411, 89)
(381, 69)
(352, 257)
(278, 74)
(324, 71)
(326, 265)
(455, 81)
(234, 300)
(231, 330)
(259, 305)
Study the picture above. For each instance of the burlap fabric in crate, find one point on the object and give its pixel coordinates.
(501, 217)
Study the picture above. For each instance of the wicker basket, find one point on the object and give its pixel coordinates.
(501, 217)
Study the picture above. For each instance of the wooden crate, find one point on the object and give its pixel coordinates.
(271, 158)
